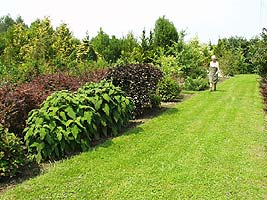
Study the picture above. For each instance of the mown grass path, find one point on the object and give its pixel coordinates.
(212, 146)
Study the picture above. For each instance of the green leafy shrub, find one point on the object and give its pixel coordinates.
(196, 84)
(110, 102)
(168, 89)
(61, 126)
(12, 156)
(68, 122)
(155, 101)
(138, 81)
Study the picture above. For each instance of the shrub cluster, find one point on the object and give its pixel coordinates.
(68, 122)
(17, 101)
(12, 156)
(138, 81)
(197, 84)
(168, 89)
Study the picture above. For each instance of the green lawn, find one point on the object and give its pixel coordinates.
(212, 146)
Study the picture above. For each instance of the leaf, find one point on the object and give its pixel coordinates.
(88, 116)
(103, 122)
(56, 151)
(63, 115)
(98, 104)
(42, 133)
(116, 116)
(78, 122)
(118, 98)
(40, 146)
(71, 112)
(49, 139)
(106, 109)
(106, 97)
(59, 135)
(38, 157)
(69, 122)
(111, 92)
(75, 131)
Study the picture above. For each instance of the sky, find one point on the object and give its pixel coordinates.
(209, 20)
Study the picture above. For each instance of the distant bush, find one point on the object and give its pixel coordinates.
(68, 122)
(196, 84)
(155, 101)
(12, 156)
(17, 101)
(168, 89)
(138, 81)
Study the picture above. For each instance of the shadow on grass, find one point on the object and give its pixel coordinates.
(27, 172)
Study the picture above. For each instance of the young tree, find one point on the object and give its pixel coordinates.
(64, 46)
(165, 33)
(39, 50)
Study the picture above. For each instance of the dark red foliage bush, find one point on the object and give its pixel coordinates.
(17, 101)
(138, 81)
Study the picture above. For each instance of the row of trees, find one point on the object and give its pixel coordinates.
(26, 51)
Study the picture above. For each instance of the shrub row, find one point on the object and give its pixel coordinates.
(17, 101)
(138, 81)
(67, 122)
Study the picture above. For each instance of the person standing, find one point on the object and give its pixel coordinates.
(214, 73)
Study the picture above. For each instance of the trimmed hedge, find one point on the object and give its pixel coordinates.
(68, 122)
(138, 81)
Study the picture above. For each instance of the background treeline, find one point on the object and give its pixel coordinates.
(28, 51)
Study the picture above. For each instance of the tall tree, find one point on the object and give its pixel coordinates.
(165, 33)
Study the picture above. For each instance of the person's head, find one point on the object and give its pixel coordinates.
(213, 58)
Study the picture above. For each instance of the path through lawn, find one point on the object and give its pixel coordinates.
(211, 146)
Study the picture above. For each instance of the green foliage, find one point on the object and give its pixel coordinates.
(168, 64)
(64, 47)
(86, 52)
(155, 100)
(168, 89)
(196, 84)
(68, 122)
(106, 47)
(12, 156)
(130, 51)
(235, 55)
(109, 101)
(138, 81)
(193, 58)
(7, 21)
(165, 33)
(62, 125)
(259, 52)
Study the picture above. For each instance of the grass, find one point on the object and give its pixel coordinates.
(211, 146)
